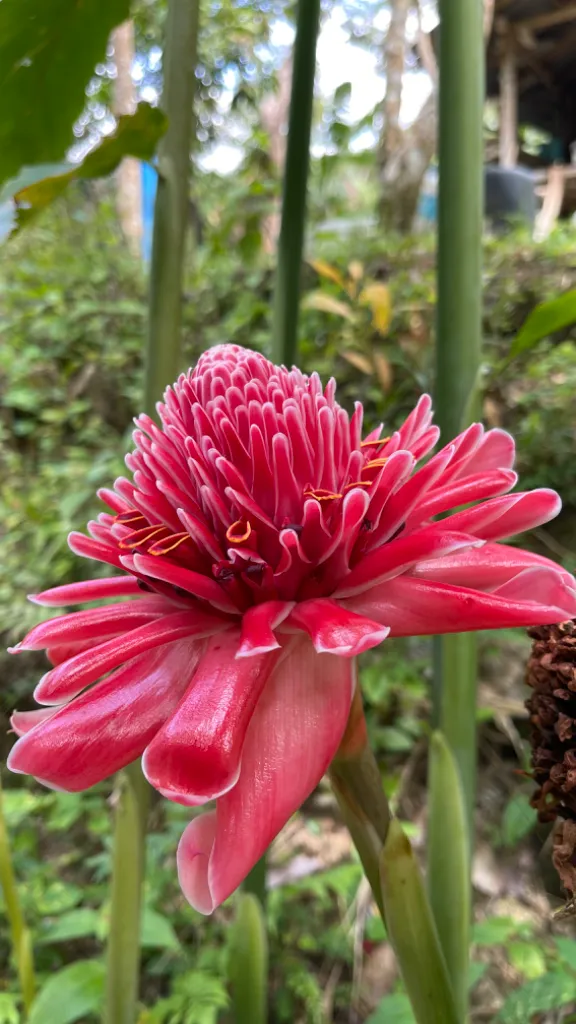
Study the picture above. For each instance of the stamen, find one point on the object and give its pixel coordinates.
(375, 464)
(239, 532)
(322, 495)
(138, 537)
(162, 547)
(374, 444)
(358, 483)
(131, 515)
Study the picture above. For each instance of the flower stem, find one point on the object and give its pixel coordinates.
(20, 936)
(458, 349)
(255, 881)
(171, 214)
(123, 961)
(291, 241)
(248, 961)
(393, 874)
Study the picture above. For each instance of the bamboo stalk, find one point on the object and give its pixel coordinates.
(291, 241)
(171, 212)
(459, 317)
(162, 366)
(19, 934)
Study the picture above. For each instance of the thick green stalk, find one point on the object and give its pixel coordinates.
(171, 213)
(412, 932)
(19, 934)
(459, 320)
(248, 962)
(123, 962)
(449, 865)
(291, 241)
(255, 881)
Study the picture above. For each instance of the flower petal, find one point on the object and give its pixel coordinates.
(23, 721)
(413, 607)
(196, 755)
(93, 624)
(335, 630)
(504, 517)
(69, 678)
(194, 582)
(258, 625)
(487, 568)
(108, 726)
(398, 555)
(87, 590)
(293, 736)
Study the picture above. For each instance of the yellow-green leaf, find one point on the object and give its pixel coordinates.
(327, 304)
(377, 296)
(327, 270)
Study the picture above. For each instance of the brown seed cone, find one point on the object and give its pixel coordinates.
(552, 708)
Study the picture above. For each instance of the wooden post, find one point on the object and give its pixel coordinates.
(508, 104)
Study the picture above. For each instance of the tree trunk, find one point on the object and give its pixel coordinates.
(392, 134)
(128, 182)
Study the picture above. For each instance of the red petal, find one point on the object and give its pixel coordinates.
(66, 680)
(398, 555)
(194, 582)
(504, 517)
(23, 721)
(486, 568)
(93, 624)
(335, 630)
(413, 607)
(293, 736)
(110, 725)
(258, 625)
(87, 590)
(196, 755)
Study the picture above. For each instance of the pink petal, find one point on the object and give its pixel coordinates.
(87, 590)
(68, 679)
(460, 492)
(258, 625)
(398, 555)
(335, 630)
(110, 725)
(486, 568)
(86, 547)
(507, 516)
(293, 736)
(413, 607)
(196, 755)
(23, 721)
(194, 582)
(93, 624)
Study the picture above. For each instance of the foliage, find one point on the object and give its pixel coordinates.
(48, 51)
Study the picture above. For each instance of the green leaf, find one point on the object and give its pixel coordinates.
(494, 931)
(156, 931)
(48, 52)
(8, 1009)
(544, 320)
(550, 992)
(76, 924)
(518, 820)
(394, 1009)
(71, 994)
(36, 187)
(527, 958)
(567, 951)
(476, 970)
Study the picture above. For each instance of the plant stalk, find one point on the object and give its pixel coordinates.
(123, 958)
(19, 934)
(171, 211)
(458, 351)
(291, 240)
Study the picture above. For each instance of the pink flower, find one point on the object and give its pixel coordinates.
(260, 537)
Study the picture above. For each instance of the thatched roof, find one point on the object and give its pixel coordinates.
(543, 35)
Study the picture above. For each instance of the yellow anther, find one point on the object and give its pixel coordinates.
(375, 464)
(374, 444)
(322, 495)
(140, 537)
(358, 483)
(239, 531)
(162, 547)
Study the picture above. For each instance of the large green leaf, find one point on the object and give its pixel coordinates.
(544, 320)
(550, 992)
(48, 52)
(71, 994)
(36, 187)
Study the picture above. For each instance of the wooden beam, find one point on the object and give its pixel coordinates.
(542, 21)
(552, 204)
(508, 106)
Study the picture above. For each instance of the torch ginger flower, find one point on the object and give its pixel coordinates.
(261, 536)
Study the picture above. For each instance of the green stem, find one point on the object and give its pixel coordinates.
(459, 325)
(248, 961)
(449, 866)
(291, 241)
(255, 881)
(123, 961)
(171, 213)
(20, 937)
